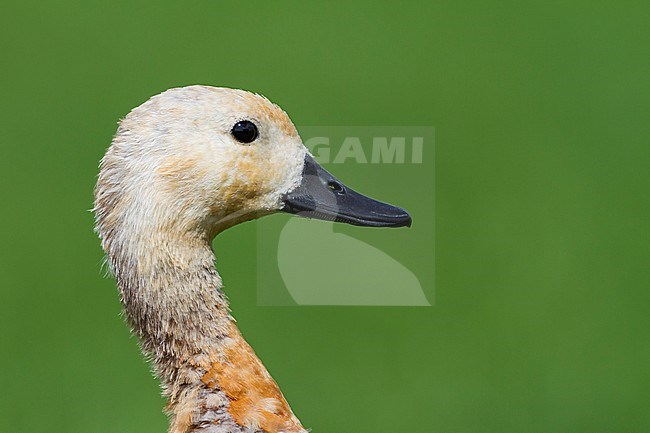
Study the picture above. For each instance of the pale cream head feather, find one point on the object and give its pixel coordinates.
(175, 164)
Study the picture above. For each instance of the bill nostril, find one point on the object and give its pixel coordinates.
(336, 187)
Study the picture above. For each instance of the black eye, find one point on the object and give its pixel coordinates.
(244, 131)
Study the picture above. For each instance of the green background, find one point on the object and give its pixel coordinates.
(541, 111)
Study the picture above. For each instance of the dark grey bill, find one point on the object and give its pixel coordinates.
(320, 195)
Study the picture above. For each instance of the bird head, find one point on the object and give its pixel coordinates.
(203, 159)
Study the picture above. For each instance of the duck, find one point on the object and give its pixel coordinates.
(183, 167)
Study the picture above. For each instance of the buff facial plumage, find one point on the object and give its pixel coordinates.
(176, 152)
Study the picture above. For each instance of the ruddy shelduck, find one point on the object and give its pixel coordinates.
(182, 167)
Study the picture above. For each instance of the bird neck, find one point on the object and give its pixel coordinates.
(172, 298)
